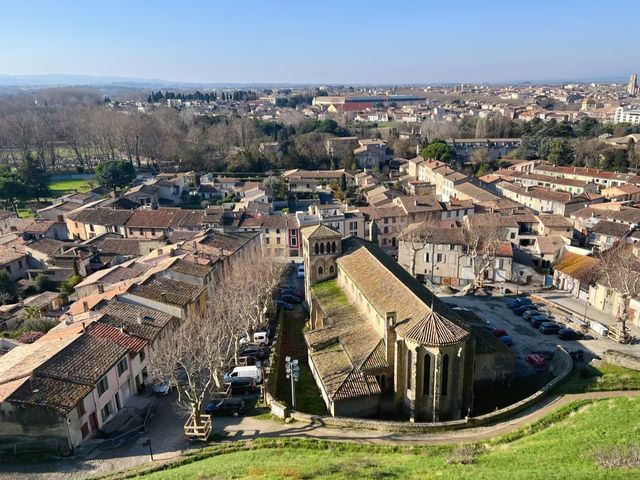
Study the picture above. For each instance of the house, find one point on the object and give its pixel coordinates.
(86, 223)
(14, 260)
(308, 181)
(605, 234)
(542, 200)
(622, 193)
(145, 195)
(574, 273)
(158, 224)
(378, 341)
(279, 233)
(371, 154)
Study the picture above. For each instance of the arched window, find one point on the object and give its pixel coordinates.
(333, 247)
(328, 247)
(331, 269)
(322, 248)
(445, 375)
(320, 270)
(316, 248)
(408, 369)
(426, 374)
(382, 381)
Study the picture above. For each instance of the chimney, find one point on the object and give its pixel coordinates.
(21, 302)
(195, 246)
(83, 329)
(163, 296)
(85, 307)
(100, 288)
(390, 336)
(160, 251)
(139, 319)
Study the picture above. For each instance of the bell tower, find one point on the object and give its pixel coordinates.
(321, 246)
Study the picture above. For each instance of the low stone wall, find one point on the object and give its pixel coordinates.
(622, 359)
(561, 366)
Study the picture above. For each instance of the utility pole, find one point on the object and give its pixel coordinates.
(293, 373)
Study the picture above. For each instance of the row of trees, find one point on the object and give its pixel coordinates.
(197, 354)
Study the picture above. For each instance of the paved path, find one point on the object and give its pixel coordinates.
(249, 428)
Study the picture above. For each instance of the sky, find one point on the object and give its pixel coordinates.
(328, 41)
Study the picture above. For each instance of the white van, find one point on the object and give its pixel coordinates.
(254, 373)
(300, 273)
(599, 328)
(260, 338)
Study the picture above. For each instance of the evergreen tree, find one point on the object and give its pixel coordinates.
(35, 178)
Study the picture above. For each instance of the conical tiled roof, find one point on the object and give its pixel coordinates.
(435, 330)
(320, 232)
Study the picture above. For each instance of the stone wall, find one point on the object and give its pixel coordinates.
(622, 359)
(561, 366)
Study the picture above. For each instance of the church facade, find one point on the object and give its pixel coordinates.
(379, 342)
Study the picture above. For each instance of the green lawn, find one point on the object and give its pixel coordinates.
(600, 376)
(562, 446)
(62, 187)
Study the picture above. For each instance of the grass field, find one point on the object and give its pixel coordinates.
(563, 445)
(600, 376)
(62, 187)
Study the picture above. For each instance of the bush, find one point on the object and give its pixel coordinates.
(29, 337)
(463, 455)
(618, 456)
(67, 287)
(43, 283)
(40, 324)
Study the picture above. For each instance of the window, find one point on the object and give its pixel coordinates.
(316, 248)
(266, 240)
(107, 411)
(294, 242)
(277, 231)
(142, 355)
(333, 247)
(153, 232)
(266, 230)
(320, 270)
(294, 233)
(331, 269)
(445, 375)
(80, 409)
(19, 263)
(84, 430)
(321, 247)
(438, 257)
(408, 369)
(452, 247)
(426, 257)
(385, 230)
(103, 385)
(278, 240)
(141, 231)
(426, 374)
(122, 366)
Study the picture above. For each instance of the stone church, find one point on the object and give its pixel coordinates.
(379, 342)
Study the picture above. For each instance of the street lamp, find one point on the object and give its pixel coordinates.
(293, 372)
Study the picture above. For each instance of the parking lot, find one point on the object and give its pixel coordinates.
(528, 339)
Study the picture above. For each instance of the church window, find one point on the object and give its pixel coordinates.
(408, 369)
(445, 375)
(426, 374)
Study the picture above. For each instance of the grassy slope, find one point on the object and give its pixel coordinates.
(563, 450)
(600, 376)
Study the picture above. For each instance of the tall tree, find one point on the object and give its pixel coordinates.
(35, 177)
(115, 174)
(12, 189)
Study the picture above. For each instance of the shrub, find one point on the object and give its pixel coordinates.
(44, 284)
(67, 287)
(463, 455)
(40, 324)
(618, 456)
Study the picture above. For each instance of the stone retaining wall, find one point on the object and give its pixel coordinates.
(622, 359)
(561, 366)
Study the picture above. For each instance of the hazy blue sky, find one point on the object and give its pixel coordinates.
(322, 41)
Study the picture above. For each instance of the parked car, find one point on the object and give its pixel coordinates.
(233, 407)
(252, 372)
(569, 334)
(532, 313)
(253, 351)
(499, 332)
(507, 340)
(538, 361)
(162, 389)
(247, 361)
(300, 272)
(523, 308)
(291, 291)
(260, 337)
(242, 386)
(283, 304)
(549, 328)
(518, 302)
(290, 299)
(538, 320)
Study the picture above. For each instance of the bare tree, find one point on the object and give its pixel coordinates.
(414, 238)
(619, 271)
(484, 236)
